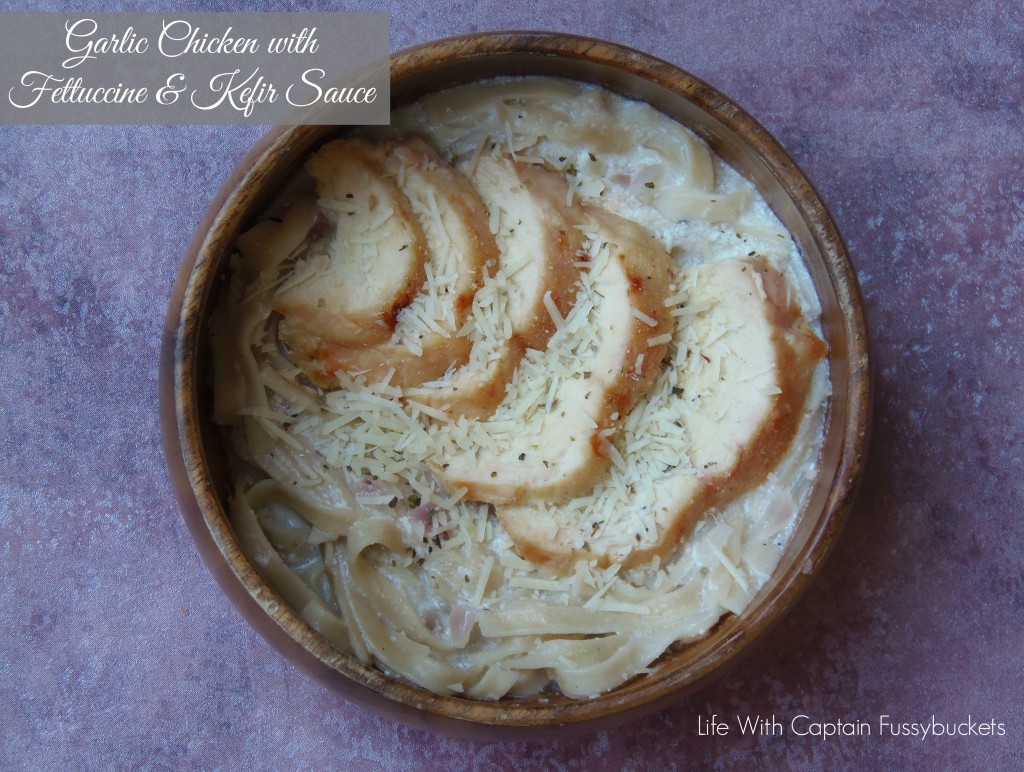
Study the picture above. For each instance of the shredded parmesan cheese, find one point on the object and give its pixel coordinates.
(481, 584)
(556, 317)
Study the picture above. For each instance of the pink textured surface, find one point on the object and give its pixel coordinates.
(117, 648)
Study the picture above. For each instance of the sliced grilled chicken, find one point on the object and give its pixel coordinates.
(349, 289)
(538, 242)
(454, 220)
(549, 438)
(715, 424)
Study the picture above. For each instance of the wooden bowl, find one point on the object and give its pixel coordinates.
(196, 457)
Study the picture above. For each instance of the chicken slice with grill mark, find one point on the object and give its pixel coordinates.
(348, 289)
(426, 342)
(538, 245)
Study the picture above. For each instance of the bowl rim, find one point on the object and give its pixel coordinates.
(203, 511)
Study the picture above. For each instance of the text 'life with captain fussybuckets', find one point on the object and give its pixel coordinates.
(181, 68)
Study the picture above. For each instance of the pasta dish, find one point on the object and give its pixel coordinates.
(521, 391)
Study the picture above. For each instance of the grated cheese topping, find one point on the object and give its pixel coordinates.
(433, 308)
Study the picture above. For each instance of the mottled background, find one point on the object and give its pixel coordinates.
(117, 649)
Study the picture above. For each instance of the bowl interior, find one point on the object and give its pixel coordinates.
(196, 454)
